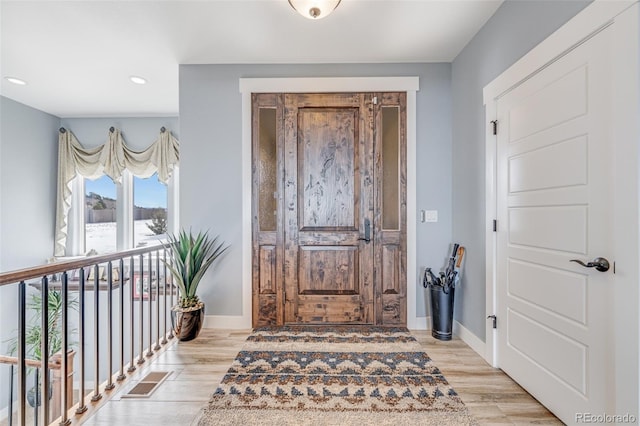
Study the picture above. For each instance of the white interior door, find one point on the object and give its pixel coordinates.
(554, 200)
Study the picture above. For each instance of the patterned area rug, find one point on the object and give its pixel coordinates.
(333, 375)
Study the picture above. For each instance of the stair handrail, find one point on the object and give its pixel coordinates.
(59, 266)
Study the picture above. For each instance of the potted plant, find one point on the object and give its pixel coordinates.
(190, 256)
(33, 336)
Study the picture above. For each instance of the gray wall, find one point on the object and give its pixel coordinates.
(28, 157)
(28, 172)
(210, 169)
(515, 28)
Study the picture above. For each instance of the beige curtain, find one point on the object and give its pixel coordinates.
(109, 159)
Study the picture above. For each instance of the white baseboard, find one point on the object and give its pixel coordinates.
(421, 323)
(469, 338)
(233, 322)
(424, 323)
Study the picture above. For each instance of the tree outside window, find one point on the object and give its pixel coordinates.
(150, 211)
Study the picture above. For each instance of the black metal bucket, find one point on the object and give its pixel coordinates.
(441, 312)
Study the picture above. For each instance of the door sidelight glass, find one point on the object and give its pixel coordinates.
(267, 169)
(390, 167)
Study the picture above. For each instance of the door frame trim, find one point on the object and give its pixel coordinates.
(410, 85)
(623, 17)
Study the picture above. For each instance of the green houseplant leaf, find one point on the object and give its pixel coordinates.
(190, 256)
(33, 336)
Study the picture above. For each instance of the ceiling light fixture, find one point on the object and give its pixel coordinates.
(138, 80)
(314, 9)
(15, 80)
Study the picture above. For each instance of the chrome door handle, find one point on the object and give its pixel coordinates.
(600, 263)
(367, 231)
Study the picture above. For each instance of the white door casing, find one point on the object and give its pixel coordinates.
(562, 179)
(247, 86)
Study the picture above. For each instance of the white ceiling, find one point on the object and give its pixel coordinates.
(77, 56)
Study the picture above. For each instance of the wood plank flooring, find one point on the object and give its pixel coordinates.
(491, 396)
(198, 366)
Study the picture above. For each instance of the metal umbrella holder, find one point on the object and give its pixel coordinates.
(442, 291)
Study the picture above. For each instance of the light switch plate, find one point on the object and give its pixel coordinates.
(431, 215)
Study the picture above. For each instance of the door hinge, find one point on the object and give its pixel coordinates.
(495, 225)
(494, 319)
(495, 126)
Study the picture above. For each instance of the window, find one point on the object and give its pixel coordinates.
(106, 217)
(120, 162)
(149, 211)
(100, 206)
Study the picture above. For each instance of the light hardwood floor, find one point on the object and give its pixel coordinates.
(491, 396)
(198, 366)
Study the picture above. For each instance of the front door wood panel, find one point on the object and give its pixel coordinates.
(391, 240)
(330, 165)
(327, 178)
(267, 290)
(328, 187)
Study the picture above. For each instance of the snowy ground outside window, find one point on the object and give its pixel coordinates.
(101, 237)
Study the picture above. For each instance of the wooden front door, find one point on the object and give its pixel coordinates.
(329, 205)
(329, 232)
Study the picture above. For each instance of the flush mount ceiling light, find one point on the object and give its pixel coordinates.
(138, 80)
(15, 80)
(314, 9)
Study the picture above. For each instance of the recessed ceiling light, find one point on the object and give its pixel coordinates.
(15, 80)
(138, 80)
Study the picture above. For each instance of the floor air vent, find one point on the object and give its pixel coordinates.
(149, 383)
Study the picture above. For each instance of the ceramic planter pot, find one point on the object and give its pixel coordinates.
(188, 322)
(33, 395)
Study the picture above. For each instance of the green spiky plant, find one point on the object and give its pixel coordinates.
(190, 257)
(33, 337)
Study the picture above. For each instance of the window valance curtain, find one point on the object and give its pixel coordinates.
(109, 159)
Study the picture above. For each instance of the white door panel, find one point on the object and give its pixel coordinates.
(560, 228)
(556, 290)
(554, 186)
(550, 319)
(570, 196)
(556, 100)
(567, 363)
(564, 164)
